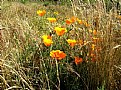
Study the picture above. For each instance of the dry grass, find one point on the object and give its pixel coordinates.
(25, 62)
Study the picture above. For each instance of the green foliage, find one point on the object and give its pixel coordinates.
(23, 1)
(102, 87)
(46, 3)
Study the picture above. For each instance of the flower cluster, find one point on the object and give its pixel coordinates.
(60, 31)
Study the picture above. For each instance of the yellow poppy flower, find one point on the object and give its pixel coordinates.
(93, 47)
(52, 20)
(47, 42)
(80, 21)
(71, 42)
(41, 13)
(46, 37)
(60, 31)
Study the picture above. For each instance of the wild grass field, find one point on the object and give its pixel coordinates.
(60, 45)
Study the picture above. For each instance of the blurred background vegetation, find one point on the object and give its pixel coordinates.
(109, 3)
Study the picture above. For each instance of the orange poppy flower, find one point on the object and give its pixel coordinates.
(118, 16)
(94, 32)
(71, 20)
(60, 31)
(68, 21)
(41, 13)
(80, 21)
(78, 60)
(93, 47)
(47, 42)
(71, 42)
(52, 20)
(93, 56)
(57, 54)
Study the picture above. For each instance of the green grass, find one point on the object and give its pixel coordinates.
(25, 61)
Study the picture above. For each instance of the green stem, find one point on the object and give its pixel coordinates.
(58, 75)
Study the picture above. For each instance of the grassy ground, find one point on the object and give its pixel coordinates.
(25, 61)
